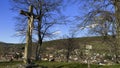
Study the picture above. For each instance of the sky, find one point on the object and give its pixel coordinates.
(7, 27)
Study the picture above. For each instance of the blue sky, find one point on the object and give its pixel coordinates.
(7, 27)
(7, 23)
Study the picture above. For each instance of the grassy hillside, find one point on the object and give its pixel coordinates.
(96, 42)
(46, 43)
(80, 41)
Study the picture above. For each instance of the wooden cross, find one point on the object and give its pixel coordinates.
(28, 46)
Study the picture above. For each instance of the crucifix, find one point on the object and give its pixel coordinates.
(28, 46)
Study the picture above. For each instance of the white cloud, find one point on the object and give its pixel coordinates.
(56, 32)
(20, 32)
(89, 26)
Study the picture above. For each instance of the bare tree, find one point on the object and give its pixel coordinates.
(70, 44)
(47, 15)
(102, 19)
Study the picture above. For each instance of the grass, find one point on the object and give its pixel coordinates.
(64, 65)
(72, 65)
(16, 64)
(13, 64)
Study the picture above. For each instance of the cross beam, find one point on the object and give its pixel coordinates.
(29, 14)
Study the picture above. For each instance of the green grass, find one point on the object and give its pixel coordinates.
(71, 65)
(44, 64)
(65, 65)
(12, 64)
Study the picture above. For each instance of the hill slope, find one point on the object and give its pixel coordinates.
(96, 42)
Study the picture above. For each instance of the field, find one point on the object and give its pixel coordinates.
(18, 64)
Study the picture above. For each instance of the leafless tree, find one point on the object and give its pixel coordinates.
(70, 44)
(47, 16)
(102, 18)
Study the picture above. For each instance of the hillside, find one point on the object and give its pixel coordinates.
(58, 44)
(97, 43)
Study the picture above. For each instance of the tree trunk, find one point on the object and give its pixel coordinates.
(67, 56)
(38, 48)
